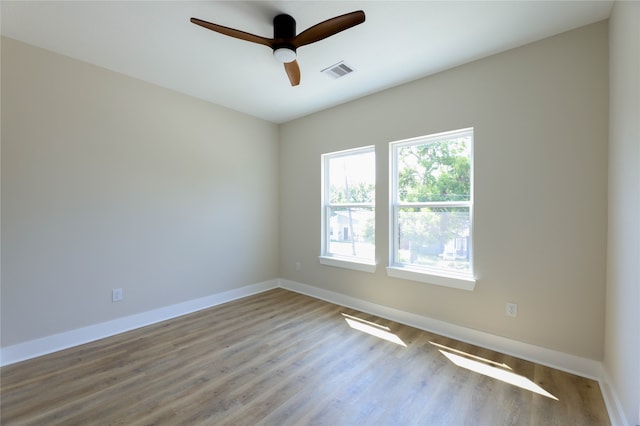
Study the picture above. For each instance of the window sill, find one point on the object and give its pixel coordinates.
(459, 281)
(348, 263)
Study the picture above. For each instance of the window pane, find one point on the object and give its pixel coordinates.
(437, 171)
(436, 237)
(352, 178)
(352, 232)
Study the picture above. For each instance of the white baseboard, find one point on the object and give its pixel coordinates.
(57, 342)
(559, 360)
(570, 363)
(616, 413)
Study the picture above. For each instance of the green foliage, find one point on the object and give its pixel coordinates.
(356, 193)
(435, 172)
(369, 233)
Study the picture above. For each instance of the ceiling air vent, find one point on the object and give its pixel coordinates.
(338, 70)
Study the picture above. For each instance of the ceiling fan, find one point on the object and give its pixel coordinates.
(285, 42)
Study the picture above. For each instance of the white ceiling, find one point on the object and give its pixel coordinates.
(399, 42)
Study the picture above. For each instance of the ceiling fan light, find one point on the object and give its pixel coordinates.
(284, 54)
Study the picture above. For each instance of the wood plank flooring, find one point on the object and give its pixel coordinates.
(281, 358)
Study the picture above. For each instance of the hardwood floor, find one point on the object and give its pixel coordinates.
(281, 358)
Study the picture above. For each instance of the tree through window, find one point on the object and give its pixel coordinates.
(348, 205)
(432, 203)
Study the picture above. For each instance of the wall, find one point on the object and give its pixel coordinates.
(622, 343)
(110, 182)
(540, 118)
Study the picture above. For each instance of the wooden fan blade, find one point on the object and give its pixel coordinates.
(328, 28)
(293, 71)
(233, 32)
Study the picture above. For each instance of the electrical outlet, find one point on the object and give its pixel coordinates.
(116, 295)
(512, 309)
(298, 266)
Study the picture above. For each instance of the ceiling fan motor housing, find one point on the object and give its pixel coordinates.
(284, 28)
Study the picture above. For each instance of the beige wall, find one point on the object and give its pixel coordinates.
(622, 343)
(540, 118)
(111, 182)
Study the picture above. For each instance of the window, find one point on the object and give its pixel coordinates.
(348, 209)
(431, 209)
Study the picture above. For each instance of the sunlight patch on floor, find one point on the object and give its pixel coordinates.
(496, 373)
(468, 355)
(373, 329)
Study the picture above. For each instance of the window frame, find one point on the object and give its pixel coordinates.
(332, 259)
(397, 269)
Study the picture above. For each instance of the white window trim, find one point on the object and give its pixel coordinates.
(462, 281)
(363, 265)
(328, 259)
(444, 278)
